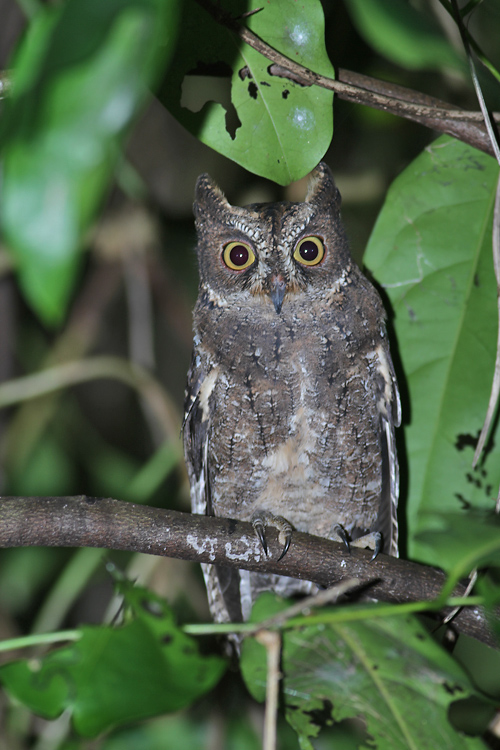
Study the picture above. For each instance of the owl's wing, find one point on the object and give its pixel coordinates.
(223, 584)
(390, 418)
(196, 428)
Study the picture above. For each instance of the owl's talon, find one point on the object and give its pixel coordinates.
(259, 530)
(263, 518)
(286, 544)
(341, 533)
(373, 540)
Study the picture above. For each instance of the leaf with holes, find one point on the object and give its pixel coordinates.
(116, 675)
(431, 252)
(226, 94)
(387, 672)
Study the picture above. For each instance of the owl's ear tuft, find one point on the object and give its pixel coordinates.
(322, 190)
(209, 198)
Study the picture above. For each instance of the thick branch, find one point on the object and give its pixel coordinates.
(428, 111)
(83, 521)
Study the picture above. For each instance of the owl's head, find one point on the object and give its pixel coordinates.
(274, 250)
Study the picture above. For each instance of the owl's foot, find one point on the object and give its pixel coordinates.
(373, 540)
(263, 518)
(341, 533)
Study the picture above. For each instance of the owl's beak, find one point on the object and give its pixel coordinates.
(277, 290)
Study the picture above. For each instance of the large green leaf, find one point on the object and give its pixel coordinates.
(388, 672)
(431, 251)
(269, 124)
(399, 31)
(80, 77)
(114, 676)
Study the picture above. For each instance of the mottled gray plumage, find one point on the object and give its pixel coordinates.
(291, 399)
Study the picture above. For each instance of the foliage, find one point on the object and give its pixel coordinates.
(80, 78)
(431, 252)
(267, 123)
(114, 675)
(388, 672)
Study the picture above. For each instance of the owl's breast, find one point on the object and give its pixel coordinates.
(259, 383)
(291, 421)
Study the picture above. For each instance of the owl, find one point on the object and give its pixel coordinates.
(291, 400)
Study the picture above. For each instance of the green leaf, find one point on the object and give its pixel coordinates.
(461, 542)
(114, 676)
(431, 251)
(80, 78)
(403, 34)
(388, 672)
(221, 90)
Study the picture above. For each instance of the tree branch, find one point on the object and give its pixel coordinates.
(83, 521)
(353, 87)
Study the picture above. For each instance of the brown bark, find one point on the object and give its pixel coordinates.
(83, 521)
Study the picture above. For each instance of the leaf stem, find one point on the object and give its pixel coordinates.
(39, 639)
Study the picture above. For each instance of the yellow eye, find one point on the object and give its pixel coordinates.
(237, 256)
(309, 251)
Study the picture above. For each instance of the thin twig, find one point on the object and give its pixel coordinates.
(495, 386)
(271, 640)
(484, 60)
(71, 373)
(470, 585)
(304, 606)
(27, 425)
(488, 120)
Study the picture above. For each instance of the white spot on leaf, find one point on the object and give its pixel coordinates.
(302, 118)
(299, 35)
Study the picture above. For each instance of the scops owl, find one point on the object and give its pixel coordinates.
(291, 401)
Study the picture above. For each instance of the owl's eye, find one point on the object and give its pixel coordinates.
(309, 251)
(237, 256)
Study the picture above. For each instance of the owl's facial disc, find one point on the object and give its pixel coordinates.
(277, 291)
